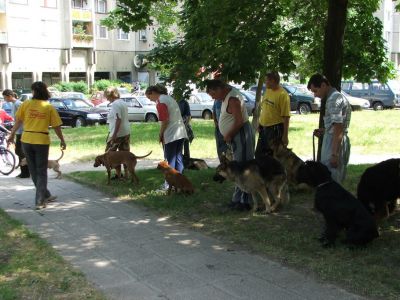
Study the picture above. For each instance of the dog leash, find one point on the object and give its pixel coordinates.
(313, 145)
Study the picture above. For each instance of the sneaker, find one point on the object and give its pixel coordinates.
(50, 199)
(23, 176)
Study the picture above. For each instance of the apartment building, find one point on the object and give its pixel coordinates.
(63, 40)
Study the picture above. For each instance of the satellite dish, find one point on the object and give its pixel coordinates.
(139, 61)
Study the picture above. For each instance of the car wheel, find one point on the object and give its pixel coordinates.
(151, 118)
(79, 122)
(304, 109)
(207, 115)
(378, 106)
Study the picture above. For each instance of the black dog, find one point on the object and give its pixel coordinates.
(379, 188)
(341, 210)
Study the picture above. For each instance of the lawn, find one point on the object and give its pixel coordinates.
(31, 269)
(369, 130)
(288, 236)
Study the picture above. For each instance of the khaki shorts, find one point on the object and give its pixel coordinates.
(120, 143)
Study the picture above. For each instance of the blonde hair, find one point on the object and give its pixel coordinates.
(111, 92)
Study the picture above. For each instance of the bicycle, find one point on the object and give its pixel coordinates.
(7, 158)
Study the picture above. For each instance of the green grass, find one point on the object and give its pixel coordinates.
(369, 130)
(288, 236)
(31, 269)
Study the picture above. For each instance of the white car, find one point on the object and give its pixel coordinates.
(201, 105)
(140, 108)
(357, 103)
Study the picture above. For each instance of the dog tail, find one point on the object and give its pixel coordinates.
(62, 154)
(144, 155)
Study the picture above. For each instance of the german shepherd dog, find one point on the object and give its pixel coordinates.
(265, 176)
(288, 159)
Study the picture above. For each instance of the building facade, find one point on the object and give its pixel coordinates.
(63, 40)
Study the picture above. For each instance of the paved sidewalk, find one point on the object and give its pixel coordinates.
(129, 253)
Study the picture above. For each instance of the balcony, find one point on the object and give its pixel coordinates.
(3, 37)
(81, 15)
(82, 35)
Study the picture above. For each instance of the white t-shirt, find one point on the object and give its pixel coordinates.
(226, 120)
(176, 128)
(118, 107)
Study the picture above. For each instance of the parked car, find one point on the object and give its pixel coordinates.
(379, 95)
(301, 99)
(140, 108)
(76, 112)
(356, 103)
(201, 105)
(249, 100)
(25, 96)
(98, 98)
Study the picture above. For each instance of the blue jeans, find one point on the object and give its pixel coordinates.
(37, 157)
(173, 154)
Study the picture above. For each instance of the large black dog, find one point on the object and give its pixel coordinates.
(379, 188)
(341, 210)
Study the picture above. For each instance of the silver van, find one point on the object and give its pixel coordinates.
(380, 95)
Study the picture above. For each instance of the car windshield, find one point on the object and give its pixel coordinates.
(76, 103)
(250, 95)
(204, 97)
(291, 89)
(145, 101)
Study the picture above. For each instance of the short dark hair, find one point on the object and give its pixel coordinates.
(317, 80)
(8, 92)
(214, 84)
(158, 88)
(274, 75)
(40, 91)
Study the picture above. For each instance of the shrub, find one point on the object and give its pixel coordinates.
(80, 86)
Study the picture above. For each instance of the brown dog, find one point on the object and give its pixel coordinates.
(51, 164)
(114, 160)
(175, 179)
(288, 159)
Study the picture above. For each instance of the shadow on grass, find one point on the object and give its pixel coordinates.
(288, 236)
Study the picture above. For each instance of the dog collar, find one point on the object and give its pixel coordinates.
(325, 183)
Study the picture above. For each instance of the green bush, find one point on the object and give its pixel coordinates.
(101, 85)
(80, 86)
(63, 86)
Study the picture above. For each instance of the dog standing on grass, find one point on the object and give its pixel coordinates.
(51, 164)
(175, 179)
(265, 176)
(379, 188)
(340, 209)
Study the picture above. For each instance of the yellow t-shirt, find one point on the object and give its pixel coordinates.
(37, 116)
(275, 104)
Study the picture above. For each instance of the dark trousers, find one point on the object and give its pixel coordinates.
(173, 154)
(37, 157)
(21, 155)
(268, 135)
(222, 147)
(186, 152)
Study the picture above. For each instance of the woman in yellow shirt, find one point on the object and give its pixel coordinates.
(37, 115)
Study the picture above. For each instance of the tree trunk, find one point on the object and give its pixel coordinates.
(333, 51)
(256, 113)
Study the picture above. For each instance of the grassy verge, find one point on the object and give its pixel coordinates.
(31, 269)
(288, 236)
(369, 130)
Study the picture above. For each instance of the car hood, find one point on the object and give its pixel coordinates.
(91, 110)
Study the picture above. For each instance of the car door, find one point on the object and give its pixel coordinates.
(381, 92)
(360, 90)
(135, 109)
(62, 109)
(293, 100)
(196, 108)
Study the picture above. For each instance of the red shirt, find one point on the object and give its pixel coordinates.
(162, 110)
(4, 117)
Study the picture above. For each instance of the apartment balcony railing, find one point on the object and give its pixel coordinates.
(3, 37)
(81, 15)
(82, 41)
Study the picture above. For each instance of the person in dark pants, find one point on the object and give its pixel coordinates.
(274, 115)
(10, 97)
(38, 115)
(186, 117)
(222, 147)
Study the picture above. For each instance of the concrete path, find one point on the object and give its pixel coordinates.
(129, 253)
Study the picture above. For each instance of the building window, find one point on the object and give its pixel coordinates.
(19, 1)
(123, 35)
(142, 35)
(48, 3)
(102, 32)
(82, 4)
(101, 6)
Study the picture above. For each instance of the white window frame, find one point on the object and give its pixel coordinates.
(99, 27)
(48, 3)
(23, 2)
(121, 35)
(143, 35)
(101, 4)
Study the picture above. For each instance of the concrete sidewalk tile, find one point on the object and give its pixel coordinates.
(132, 290)
(148, 267)
(201, 293)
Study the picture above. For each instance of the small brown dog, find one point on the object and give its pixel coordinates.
(51, 164)
(114, 160)
(175, 179)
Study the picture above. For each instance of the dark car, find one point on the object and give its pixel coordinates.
(301, 100)
(76, 112)
(249, 100)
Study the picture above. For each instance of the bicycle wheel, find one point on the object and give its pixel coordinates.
(7, 161)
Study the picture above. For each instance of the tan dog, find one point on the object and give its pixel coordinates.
(114, 160)
(175, 179)
(51, 164)
(288, 159)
